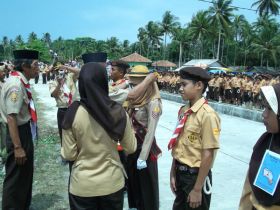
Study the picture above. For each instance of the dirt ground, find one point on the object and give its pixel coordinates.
(50, 176)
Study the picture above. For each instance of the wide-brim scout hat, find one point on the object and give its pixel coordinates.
(26, 54)
(139, 71)
(95, 57)
(195, 73)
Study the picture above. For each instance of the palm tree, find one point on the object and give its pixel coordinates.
(142, 39)
(47, 39)
(154, 34)
(266, 7)
(238, 25)
(19, 40)
(220, 15)
(180, 36)
(200, 29)
(5, 43)
(32, 36)
(168, 24)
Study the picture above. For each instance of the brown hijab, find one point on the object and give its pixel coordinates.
(258, 152)
(151, 93)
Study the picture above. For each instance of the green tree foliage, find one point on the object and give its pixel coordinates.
(212, 33)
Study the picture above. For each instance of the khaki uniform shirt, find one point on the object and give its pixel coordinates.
(249, 86)
(148, 115)
(70, 82)
(272, 82)
(227, 84)
(97, 169)
(117, 94)
(211, 82)
(256, 88)
(14, 99)
(201, 131)
(218, 82)
(248, 200)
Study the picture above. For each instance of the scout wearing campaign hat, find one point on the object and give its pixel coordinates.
(94, 57)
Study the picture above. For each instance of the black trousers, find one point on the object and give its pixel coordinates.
(112, 201)
(143, 189)
(185, 182)
(60, 116)
(36, 79)
(17, 186)
(44, 76)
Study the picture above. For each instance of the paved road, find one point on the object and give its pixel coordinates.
(237, 139)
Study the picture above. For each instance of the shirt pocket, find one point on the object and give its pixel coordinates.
(192, 136)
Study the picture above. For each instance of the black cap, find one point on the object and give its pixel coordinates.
(121, 64)
(26, 54)
(94, 57)
(195, 73)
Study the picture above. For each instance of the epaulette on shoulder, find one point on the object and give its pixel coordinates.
(208, 108)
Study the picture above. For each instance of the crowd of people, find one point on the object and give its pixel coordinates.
(238, 89)
(107, 130)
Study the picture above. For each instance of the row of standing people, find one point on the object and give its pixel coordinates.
(93, 127)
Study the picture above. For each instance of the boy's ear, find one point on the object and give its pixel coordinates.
(200, 85)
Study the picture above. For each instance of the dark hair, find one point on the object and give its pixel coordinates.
(205, 84)
(21, 62)
(121, 69)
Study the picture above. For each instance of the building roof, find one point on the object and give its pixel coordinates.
(163, 63)
(135, 57)
(201, 62)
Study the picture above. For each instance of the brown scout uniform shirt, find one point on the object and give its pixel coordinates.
(248, 86)
(97, 169)
(148, 115)
(248, 200)
(227, 84)
(201, 131)
(70, 82)
(14, 99)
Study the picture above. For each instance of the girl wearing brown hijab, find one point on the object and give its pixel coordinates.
(91, 129)
(254, 198)
(143, 190)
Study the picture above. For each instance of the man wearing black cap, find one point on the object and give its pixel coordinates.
(194, 144)
(18, 111)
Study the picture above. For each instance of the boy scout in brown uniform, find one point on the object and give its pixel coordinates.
(18, 112)
(195, 145)
(64, 90)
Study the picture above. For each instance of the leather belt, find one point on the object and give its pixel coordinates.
(186, 168)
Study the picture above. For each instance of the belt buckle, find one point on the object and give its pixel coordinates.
(183, 168)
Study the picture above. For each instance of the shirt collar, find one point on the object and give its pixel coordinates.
(198, 104)
(23, 77)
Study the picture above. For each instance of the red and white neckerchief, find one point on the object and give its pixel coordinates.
(67, 94)
(118, 82)
(31, 106)
(180, 126)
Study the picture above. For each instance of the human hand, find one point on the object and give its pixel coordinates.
(141, 164)
(194, 198)
(20, 156)
(173, 184)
